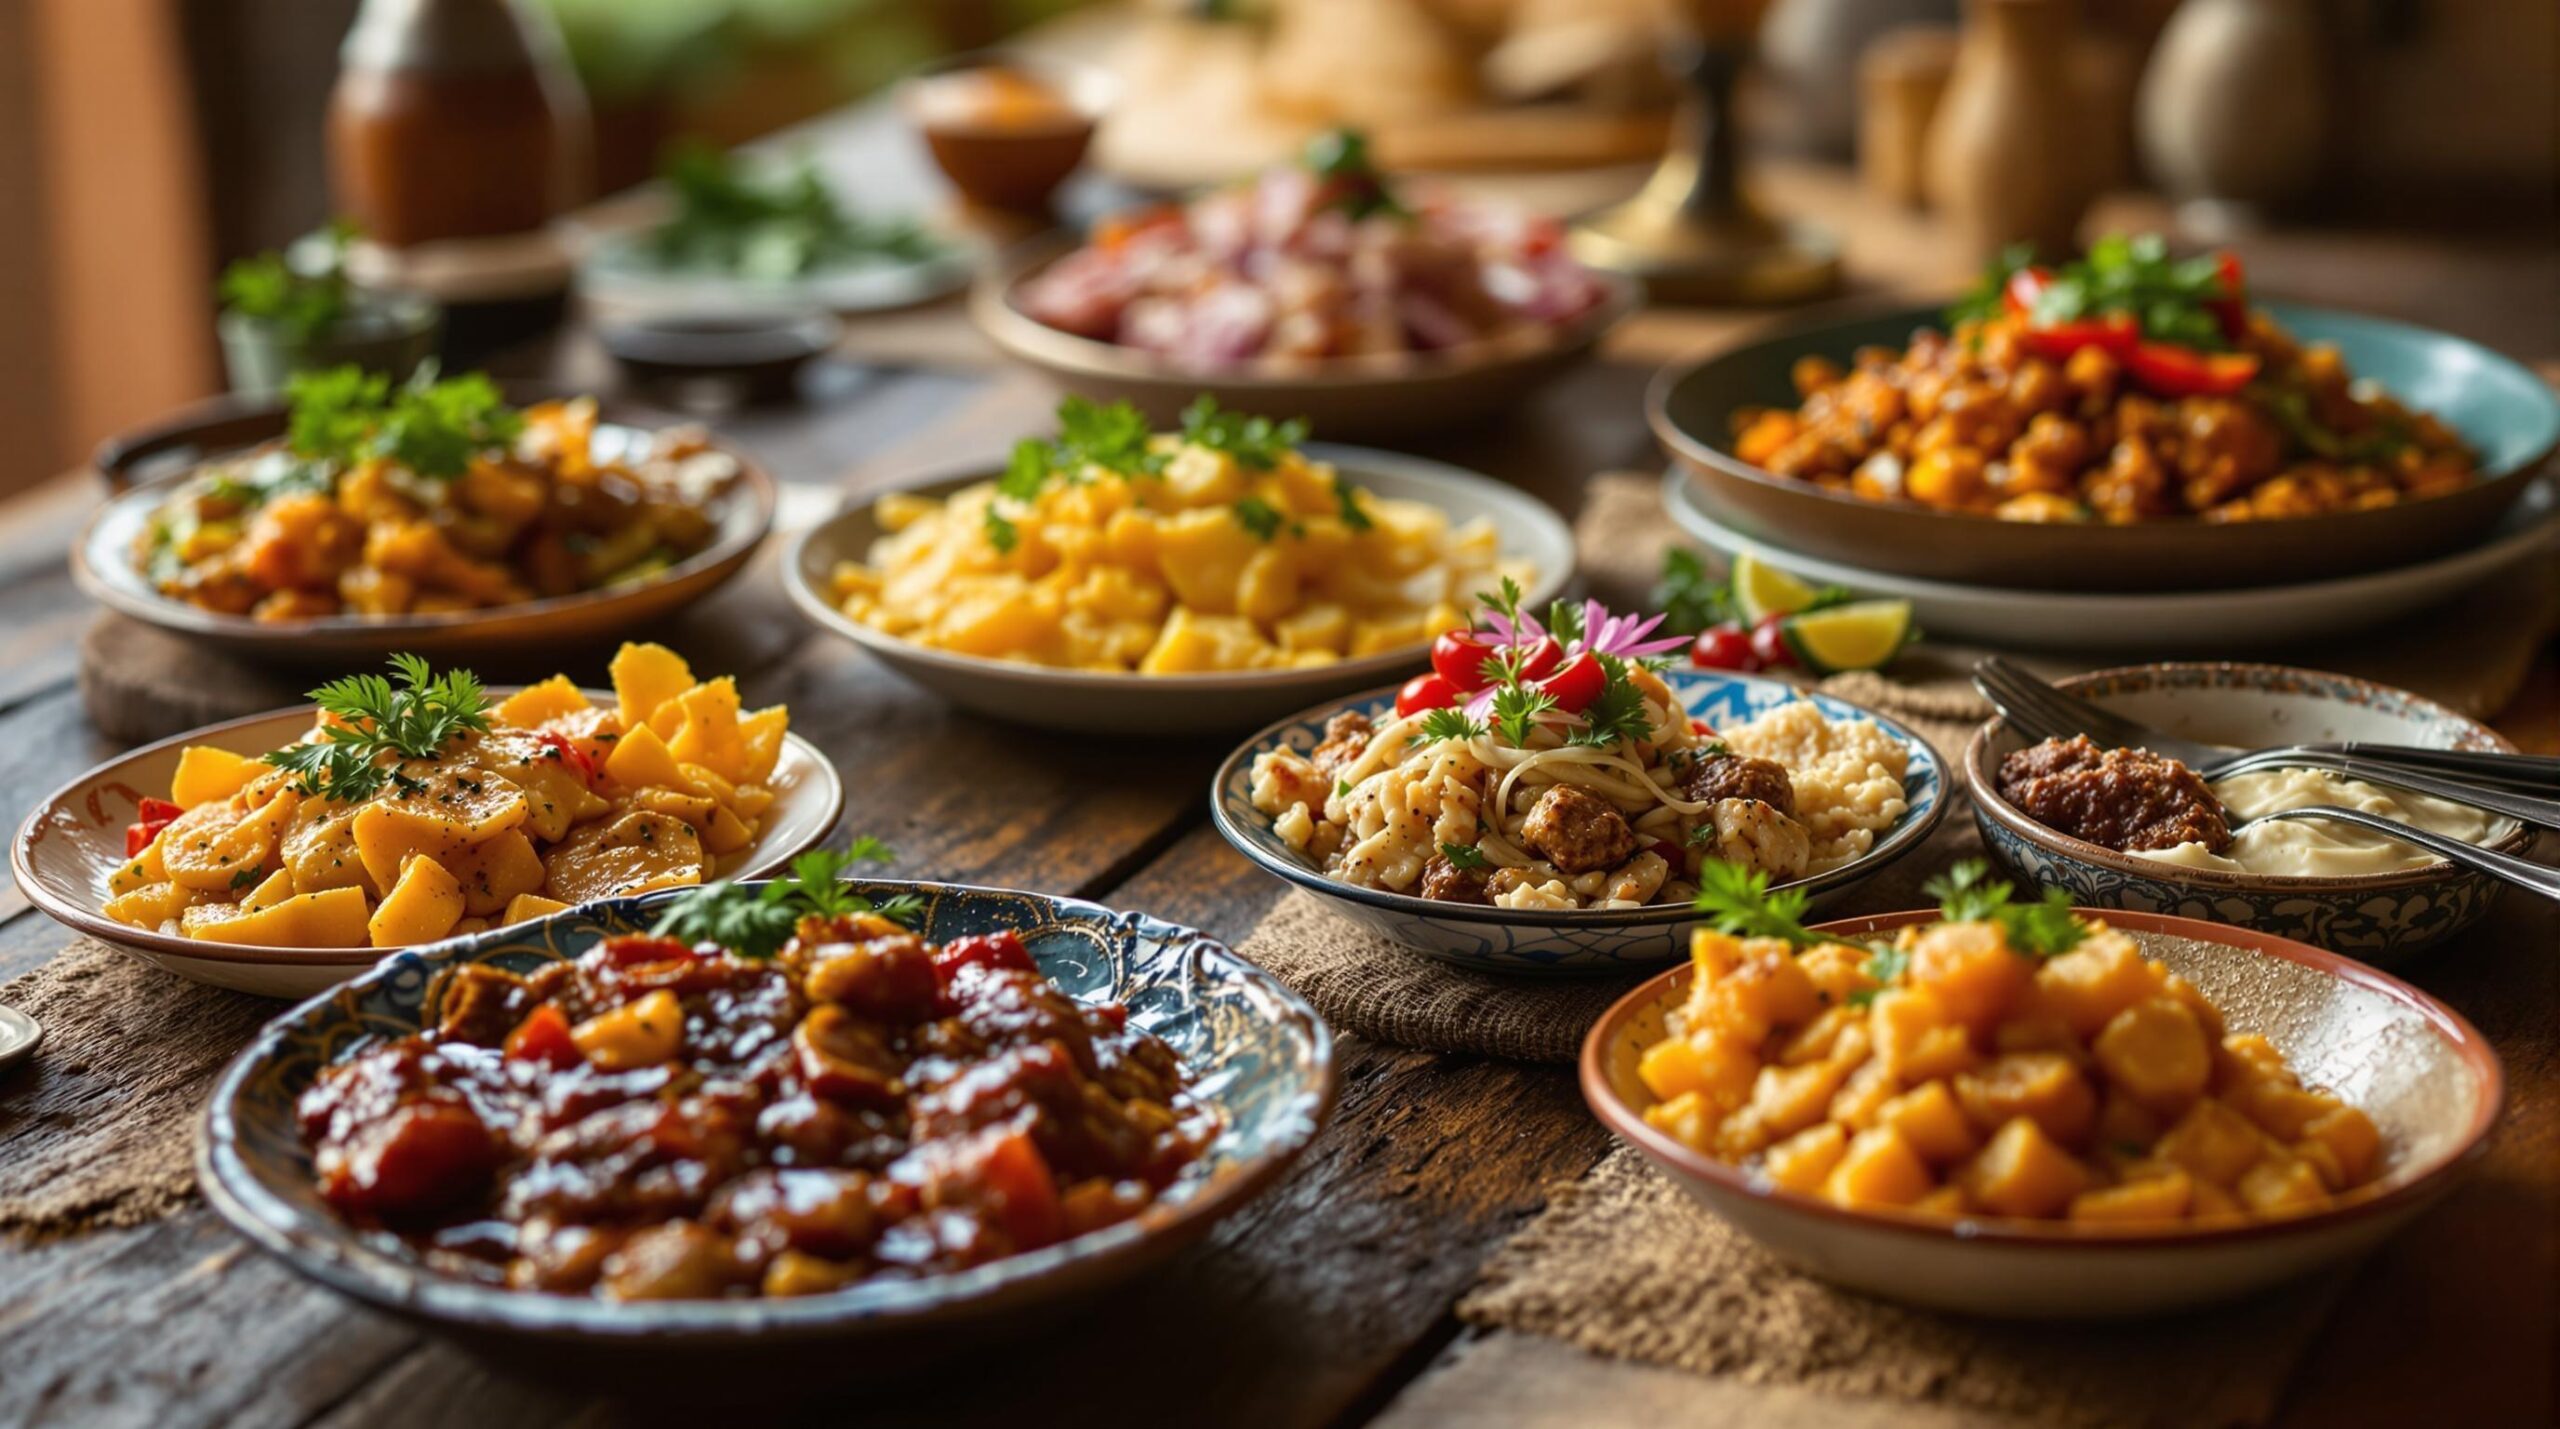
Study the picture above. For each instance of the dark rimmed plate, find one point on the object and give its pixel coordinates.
(2507, 415)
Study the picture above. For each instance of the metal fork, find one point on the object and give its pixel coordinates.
(2041, 711)
(2520, 872)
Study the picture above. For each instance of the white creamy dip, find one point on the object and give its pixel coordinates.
(2324, 848)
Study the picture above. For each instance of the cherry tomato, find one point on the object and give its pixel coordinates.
(1769, 643)
(1426, 692)
(1724, 647)
(1459, 656)
(543, 1037)
(152, 815)
(1578, 684)
(157, 811)
(2174, 371)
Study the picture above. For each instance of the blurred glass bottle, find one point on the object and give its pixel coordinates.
(455, 119)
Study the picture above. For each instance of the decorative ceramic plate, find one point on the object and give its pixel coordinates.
(1128, 704)
(75, 839)
(618, 276)
(2429, 1079)
(1256, 1051)
(1366, 398)
(2378, 917)
(147, 463)
(1582, 940)
(2136, 622)
(2510, 417)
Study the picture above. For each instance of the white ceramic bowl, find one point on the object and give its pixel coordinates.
(1098, 703)
(1582, 940)
(2373, 916)
(2427, 1077)
(74, 840)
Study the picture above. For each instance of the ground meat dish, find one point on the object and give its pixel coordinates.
(1448, 883)
(1730, 776)
(1578, 831)
(1345, 736)
(2117, 798)
(1972, 421)
(658, 1121)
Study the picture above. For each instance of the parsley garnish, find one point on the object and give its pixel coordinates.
(2167, 296)
(1260, 517)
(346, 415)
(304, 304)
(1886, 965)
(1346, 501)
(414, 721)
(1001, 532)
(732, 216)
(1618, 713)
(1256, 442)
(1115, 438)
(757, 922)
(1739, 901)
(1690, 599)
(1990, 293)
(1342, 788)
(1342, 155)
(1516, 709)
(1504, 602)
(1450, 723)
(245, 878)
(1464, 856)
(2043, 929)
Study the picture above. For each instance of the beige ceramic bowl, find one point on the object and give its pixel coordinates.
(1103, 702)
(1353, 398)
(145, 464)
(74, 840)
(2429, 1080)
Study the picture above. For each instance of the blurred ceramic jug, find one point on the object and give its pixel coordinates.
(2232, 119)
(2007, 157)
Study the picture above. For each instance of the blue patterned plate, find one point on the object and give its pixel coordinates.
(1257, 1051)
(1519, 940)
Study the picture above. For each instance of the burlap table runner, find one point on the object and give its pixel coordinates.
(101, 1124)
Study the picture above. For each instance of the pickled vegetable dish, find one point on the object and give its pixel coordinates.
(430, 498)
(2129, 387)
(678, 1117)
(421, 809)
(2015, 1060)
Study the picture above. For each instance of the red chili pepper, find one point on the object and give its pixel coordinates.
(1018, 1180)
(2232, 308)
(2174, 371)
(2115, 332)
(155, 815)
(1426, 692)
(1578, 684)
(570, 754)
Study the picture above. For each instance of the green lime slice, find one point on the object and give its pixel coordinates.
(1861, 635)
(1762, 590)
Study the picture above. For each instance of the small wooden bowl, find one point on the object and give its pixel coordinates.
(142, 466)
(2426, 1076)
(1346, 399)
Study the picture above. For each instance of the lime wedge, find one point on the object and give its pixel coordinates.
(1762, 590)
(1861, 635)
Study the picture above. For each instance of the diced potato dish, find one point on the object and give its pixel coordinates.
(558, 802)
(1195, 559)
(1951, 1075)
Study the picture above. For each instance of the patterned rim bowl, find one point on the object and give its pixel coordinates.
(1256, 1049)
(2374, 916)
(1577, 941)
(2430, 1081)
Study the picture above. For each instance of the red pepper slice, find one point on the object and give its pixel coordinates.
(2232, 308)
(544, 1037)
(570, 754)
(988, 950)
(153, 815)
(157, 811)
(2116, 332)
(2174, 371)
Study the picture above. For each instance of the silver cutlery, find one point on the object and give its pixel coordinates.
(2520, 872)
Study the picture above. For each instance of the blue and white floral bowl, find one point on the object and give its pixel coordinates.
(1577, 941)
(2377, 917)
(1255, 1050)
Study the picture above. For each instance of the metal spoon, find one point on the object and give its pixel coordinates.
(2523, 874)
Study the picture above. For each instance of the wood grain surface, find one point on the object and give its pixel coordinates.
(1329, 1300)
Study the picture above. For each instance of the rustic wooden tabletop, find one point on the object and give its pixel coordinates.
(1328, 1301)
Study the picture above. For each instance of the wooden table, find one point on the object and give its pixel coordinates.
(1329, 1301)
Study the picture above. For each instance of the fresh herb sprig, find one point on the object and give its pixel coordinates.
(345, 415)
(1116, 438)
(1967, 893)
(303, 303)
(374, 718)
(738, 218)
(1255, 442)
(1341, 156)
(1464, 856)
(2171, 298)
(1260, 517)
(1989, 295)
(1617, 714)
(1438, 725)
(755, 922)
(1739, 901)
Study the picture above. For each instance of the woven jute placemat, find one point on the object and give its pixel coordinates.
(1622, 1264)
(101, 1125)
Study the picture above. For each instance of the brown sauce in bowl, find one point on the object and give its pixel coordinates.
(2123, 799)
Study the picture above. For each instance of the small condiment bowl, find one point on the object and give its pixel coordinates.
(1543, 942)
(2428, 1079)
(2377, 917)
(1007, 129)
